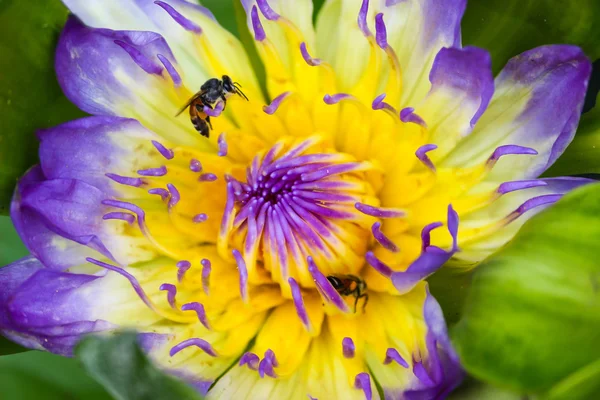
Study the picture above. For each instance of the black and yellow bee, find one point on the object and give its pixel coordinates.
(210, 92)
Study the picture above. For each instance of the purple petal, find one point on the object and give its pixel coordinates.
(45, 309)
(441, 372)
(39, 239)
(461, 80)
(88, 60)
(88, 148)
(556, 79)
(467, 71)
(68, 208)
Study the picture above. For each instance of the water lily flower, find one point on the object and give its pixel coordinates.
(285, 256)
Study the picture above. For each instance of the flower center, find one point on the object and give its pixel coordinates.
(298, 200)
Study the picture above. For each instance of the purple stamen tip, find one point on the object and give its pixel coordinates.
(380, 31)
(324, 286)
(421, 154)
(426, 234)
(124, 180)
(241, 264)
(363, 381)
(313, 62)
(378, 102)
(200, 218)
(195, 165)
(214, 112)
(175, 196)
(267, 364)
(379, 212)
(267, 11)
(392, 355)
(510, 149)
(160, 171)
(129, 218)
(166, 153)
(132, 280)
(382, 239)
(171, 293)
(200, 312)
(299, 303)
(336, 98)
(179, 18)
(513, 186)
(222, 145)
(533, 203)
(407, 115)
(200, 343)
(453, 227)
(207, 177)
(272, 108)
(421, 373)
(206, 268)
(139, 58)
(251, 360)
(182, 268)
(163, 193)
(348, 348)
(378, 265)
(177, 81)
(362, 18)
(259, 32)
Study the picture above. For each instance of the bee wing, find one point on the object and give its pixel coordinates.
(190, 101)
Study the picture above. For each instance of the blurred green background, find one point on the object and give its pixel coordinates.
(30, 99)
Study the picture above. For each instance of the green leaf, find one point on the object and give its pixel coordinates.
(118, 363)
(224, 13)
(39, 375)
(30, 97)
(583, 384)
(509, 27)
(450, 287)
(11, 246)
(532, 317)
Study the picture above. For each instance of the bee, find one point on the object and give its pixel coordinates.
(350, 285)
(210, 92)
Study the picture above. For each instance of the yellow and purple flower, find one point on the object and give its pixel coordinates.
(378, 134)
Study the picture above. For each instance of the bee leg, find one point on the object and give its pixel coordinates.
(356, 302)
(366, 296)
(209, 123)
